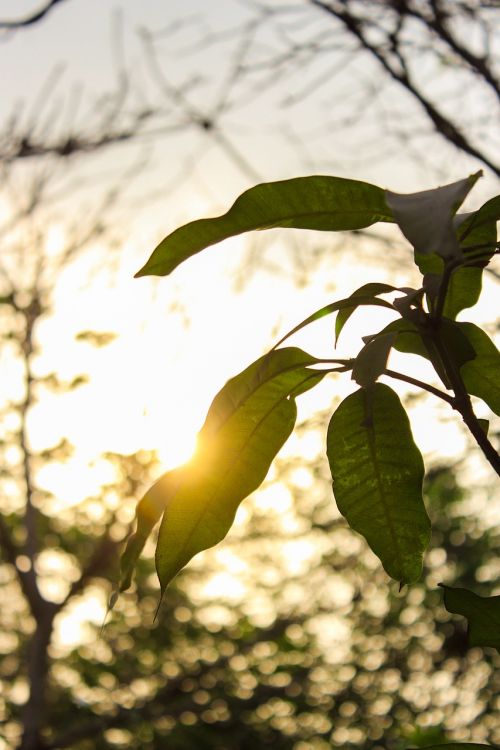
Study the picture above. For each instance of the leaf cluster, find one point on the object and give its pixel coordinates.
(377, 469)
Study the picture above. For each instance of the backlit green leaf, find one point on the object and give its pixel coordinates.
(475, 228)
(377, 473)
(247, 423)
(316, 202)
(482, 613)
(148, 512)
(481, 375)
(426, 220)
(477, 232)
(408, 339)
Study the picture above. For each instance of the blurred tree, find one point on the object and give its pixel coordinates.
(313, 650)
(379, 75)
(36, 541)
(310, 647)
(387, 71)
(312, 655)
(410, 39)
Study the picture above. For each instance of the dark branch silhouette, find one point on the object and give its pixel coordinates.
(391, 57)
(31, 19)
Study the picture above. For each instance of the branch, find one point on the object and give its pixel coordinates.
(31, 315)
(441, 123)
(206, 122)
(30, 20)
(437, 24)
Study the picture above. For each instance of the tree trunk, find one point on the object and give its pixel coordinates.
(38, 662)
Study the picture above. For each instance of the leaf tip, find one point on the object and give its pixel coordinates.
(112, 601)
(160, 601)
(141, 272)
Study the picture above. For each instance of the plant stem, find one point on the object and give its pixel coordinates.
(462, 402)
(420, 384)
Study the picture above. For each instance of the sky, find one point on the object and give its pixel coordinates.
(180, 338)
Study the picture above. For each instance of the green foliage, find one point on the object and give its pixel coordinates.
(480, 374)
(247, 423)
(149, 511)
(377, 473)
(478, 233)
(376, 468)
(322, 203)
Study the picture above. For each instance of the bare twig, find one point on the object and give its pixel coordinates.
(399, 73)
(31, 19)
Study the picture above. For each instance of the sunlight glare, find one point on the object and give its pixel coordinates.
(73, 625)
(224, 586)
(55, 240)
(297, 555)
(274, 498)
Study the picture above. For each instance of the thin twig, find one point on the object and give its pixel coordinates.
(30, 20)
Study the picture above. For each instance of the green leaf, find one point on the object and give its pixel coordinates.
(372, 359)
(482, 613)
(377, 473)
(481, 375)
(367, 291)
(457, 746)
(247, 423)
(474, 228)
(426, 220)
(464, 290)
(148, 512)
(477, 232)
(316, 202)
(408, 339)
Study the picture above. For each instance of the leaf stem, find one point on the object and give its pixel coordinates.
(420, 384)
(437, 313)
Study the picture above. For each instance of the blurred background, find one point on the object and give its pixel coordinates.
(118, 122)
